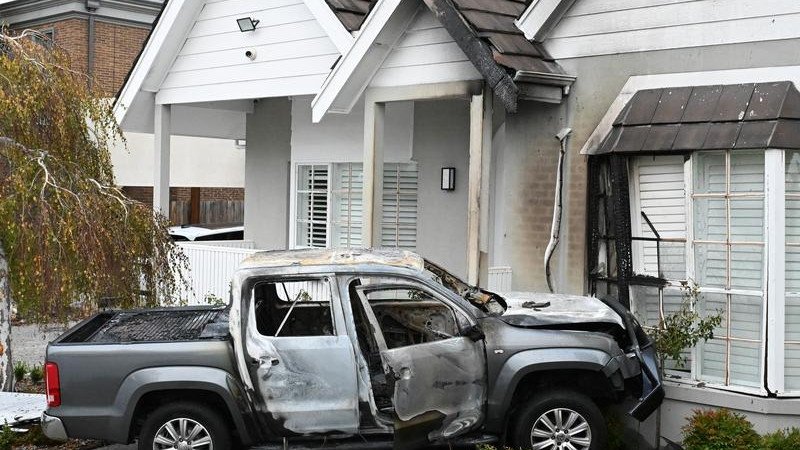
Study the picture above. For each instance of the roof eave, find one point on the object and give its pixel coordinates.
(541, 17)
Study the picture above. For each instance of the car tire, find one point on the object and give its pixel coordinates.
(582, 424)
(203, 429)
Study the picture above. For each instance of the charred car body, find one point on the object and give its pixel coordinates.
(331, 344)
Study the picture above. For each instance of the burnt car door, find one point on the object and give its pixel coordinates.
(301, 360)
(432, 360)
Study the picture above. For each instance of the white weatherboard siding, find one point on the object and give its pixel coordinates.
(426, 53)
(293, 54)
(601, 27)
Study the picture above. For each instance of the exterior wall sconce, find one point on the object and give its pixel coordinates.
(448, 178)
(247, 24)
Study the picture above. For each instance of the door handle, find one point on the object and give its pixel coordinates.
(268, 361)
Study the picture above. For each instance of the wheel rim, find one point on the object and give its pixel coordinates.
(561, 429)
(182, 434)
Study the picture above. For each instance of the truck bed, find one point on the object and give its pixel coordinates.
(154, 325)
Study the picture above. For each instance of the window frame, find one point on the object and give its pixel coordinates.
(773, 292)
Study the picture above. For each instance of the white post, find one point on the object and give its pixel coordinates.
(372, 187)
(774, 191)
(161, 134)
(486, 186)
(476, 131)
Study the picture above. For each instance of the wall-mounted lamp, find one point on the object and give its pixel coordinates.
(448, 178)
(247, 24)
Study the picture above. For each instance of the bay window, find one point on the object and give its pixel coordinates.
(728, 221)
(328, 205)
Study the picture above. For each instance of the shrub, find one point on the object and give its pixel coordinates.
(782, 440)
(719, 430)
(20, 370)
(6, 437)
(36, 374)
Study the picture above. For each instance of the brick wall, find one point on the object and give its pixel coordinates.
(116, 48)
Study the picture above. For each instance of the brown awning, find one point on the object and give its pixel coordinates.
(736, 116)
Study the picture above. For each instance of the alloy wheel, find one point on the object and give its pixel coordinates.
(561, 429)
(182, 434)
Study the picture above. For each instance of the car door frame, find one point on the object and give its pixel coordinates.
(281, 422)
(458, 420)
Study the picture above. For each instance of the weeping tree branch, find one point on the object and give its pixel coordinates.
(67, 231)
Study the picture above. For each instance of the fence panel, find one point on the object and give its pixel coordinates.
(211, 268)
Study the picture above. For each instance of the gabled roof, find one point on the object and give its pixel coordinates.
(485, 30)
(351, 13)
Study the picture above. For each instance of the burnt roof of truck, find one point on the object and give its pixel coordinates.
(333, 257)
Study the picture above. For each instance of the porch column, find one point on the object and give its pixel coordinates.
(477, 121)
(372, 188)
(161, 134)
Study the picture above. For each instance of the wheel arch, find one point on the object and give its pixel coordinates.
(146, 389)
(526, 370)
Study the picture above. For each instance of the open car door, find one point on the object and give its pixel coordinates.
(435, 377)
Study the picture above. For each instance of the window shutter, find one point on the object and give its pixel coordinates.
(312, 206)
(662, 197)
(399, 215)
(348, 207)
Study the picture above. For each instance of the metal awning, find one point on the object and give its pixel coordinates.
(679, 120)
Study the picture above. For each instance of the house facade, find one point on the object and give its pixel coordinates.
(617, 148)
(103, 39)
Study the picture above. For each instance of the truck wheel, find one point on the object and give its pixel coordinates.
(560, 420)
(184, 426)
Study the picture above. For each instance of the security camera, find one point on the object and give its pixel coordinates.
(251, 55)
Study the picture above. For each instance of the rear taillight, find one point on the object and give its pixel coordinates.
(53, 384)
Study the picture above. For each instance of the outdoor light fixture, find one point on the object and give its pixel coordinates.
(448, 178)
(247, 24)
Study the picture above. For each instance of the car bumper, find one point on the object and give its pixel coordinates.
(53, 428)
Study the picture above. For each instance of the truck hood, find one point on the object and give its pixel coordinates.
(532, 309)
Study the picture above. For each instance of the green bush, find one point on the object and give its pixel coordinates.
(719, 430)
(6, 437)
(782, 440)
(20, 370)
(36, 374)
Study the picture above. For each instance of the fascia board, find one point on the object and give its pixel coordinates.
(159, 51)
(334, 27)
(540, 17)
(347, 81)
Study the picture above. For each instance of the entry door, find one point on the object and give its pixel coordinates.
(438, 376)
(301, 360)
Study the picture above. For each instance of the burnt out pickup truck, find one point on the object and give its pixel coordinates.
(324, 347)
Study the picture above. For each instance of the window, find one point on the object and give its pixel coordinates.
(712, 229)
(406, 314)
(45, 37)
(293, 308)
(792, 271)
(338, 222)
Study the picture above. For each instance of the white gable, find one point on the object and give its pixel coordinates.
(293, 54)
(426, 53)
(602, 27)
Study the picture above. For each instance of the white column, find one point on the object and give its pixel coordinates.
(476, 131)
(374, 114)
(774, 191)
(161, 133)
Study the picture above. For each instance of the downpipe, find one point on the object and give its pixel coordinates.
(555, 229)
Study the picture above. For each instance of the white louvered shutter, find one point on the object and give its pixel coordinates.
(399, 215)
(312, 206)
(662, 198)
(348, 205)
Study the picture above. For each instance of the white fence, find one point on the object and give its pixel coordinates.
(499, 279)
(211, 268)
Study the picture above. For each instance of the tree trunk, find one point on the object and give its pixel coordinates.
(6, 370)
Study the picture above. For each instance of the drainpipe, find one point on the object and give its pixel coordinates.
(555, 229)
(91, 7)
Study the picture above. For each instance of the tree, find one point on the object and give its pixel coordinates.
(68, 235)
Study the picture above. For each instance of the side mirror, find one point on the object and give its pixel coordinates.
(473, 332)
